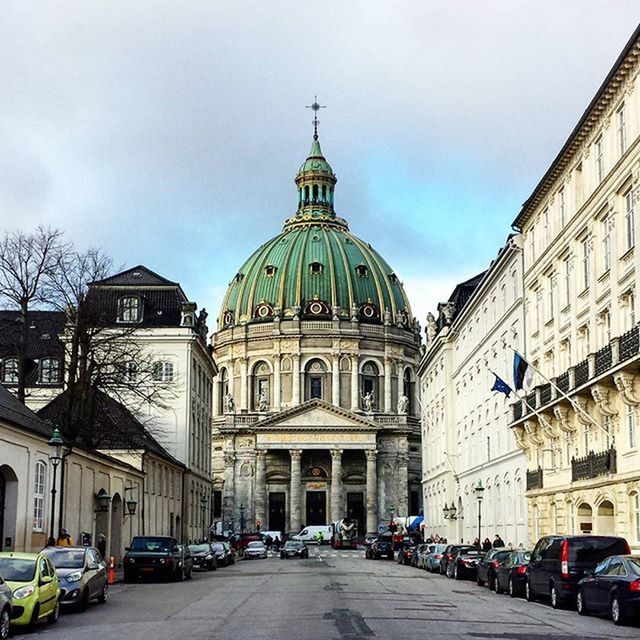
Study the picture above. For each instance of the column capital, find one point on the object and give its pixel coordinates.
(336, 455)
(296, 454)
(229, 459)
(371, 454)
(261, 454)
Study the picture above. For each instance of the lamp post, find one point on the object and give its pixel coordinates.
(203, 506)
(479, 490)
(55, 458)
(241, 518)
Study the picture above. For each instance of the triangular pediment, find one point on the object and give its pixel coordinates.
(315, 414)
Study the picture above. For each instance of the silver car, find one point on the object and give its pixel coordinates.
(255, 549)
(5, 609)
(432, 559)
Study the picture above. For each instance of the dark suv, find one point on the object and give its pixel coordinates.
(559, 562)
(381, 546)
(153, 556)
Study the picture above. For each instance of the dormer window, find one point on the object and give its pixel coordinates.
(130, 309)
(315, 268)
(10, 371)
(362, 270)
(49, 372)
(270, 271)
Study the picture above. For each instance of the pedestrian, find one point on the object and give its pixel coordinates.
(51, 542)
(64, 539)
(476, 543)
(486, 544)
(276, 543)
(102, 545)
(320, 537)
(498, 542)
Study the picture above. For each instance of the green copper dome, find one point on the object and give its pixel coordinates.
(315, 268)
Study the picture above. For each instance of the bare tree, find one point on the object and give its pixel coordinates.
(25, 261)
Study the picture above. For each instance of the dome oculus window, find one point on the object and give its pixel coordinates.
(263, 310)
(227, 318)
(362, 271)
(316, 268)
(270, 271)
(129, 309)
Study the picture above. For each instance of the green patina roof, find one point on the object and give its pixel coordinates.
(315, 160)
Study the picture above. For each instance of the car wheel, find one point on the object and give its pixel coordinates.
(102, 598)
(456, 573)
(5, 623)
(554, 597)
(496, 586)
(179, 577)
(479, 581)
(52, 618)
(580, 606)
(617, 616)
(528, 593)
(449, 572)
(491, 583)
(512, 588)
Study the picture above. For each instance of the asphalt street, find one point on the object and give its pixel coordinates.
(329, 596)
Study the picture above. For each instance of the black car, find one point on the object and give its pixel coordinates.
(405, 554)
(511, 575)
(187, 561)
(613, 588)
(381, 546)
(203, 556)
(464, 564)
(153, 556)
(489, 565)
(294, 549)
(558, 563)
(448, 554)
(223, 553)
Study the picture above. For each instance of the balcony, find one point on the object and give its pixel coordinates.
(517, 411)
(545, 394)
(534, 479)
(630, 344)
(582, 373)
(593, 465)
(563, 382)
(604, 360)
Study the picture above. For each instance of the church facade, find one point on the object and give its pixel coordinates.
(315, 411)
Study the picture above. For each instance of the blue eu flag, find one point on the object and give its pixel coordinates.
(501, 386)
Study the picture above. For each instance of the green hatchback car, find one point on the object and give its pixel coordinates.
(33, 581)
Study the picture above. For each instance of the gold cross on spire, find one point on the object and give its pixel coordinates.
(316, 107)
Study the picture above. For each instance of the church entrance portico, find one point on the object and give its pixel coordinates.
(316, 510)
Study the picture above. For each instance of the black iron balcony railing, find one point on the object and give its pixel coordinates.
(545, 394)
(594, 465)
(563, 382)
(604, 359)
(531, 401)
(517, 410)
(534, 479)
(630, 344)
(582, 373)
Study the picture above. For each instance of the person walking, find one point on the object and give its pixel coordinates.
(486, 544)
(498, 542)
(476, 543)
(102, 545)
(64, 539)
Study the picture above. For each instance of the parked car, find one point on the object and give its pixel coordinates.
(82, 575)
(187, 561)
(433, 556)
(5, 609)
(511, 575)
(203, 556)
(224, 554)
(255, 549)
(558, 563)
(381, 546)
(448, 554)
(294, 549)
(417, 552)
(464, 563)
(405, 553)
(613, 588)
(34, 585)
(369, 538)
(239, 541)
(153, 556)
(489, 565)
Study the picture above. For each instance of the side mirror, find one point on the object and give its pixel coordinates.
(46, 580)
(127, 548)
(93, 566)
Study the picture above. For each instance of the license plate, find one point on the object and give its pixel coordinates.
(146, 569)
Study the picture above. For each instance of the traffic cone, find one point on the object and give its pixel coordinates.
(111, 576)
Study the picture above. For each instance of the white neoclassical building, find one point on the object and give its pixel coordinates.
(465, 437)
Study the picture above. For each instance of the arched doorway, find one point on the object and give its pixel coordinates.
(116, 527)
(606, 524)
(585, 518)
(8, 507)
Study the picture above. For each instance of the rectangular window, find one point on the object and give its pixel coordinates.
(547, 227)
(551, 285)
(38, 497)
(10, 371)
(49, 371)
(488, 447)
(631, 426)
(606, 244)
(567, 282)
(163, 372)
(315, 388)
(636, 515)
(606, 425)
(622, 129)
(130, 309)
(562, 205)
(599, 155)
(629, 223)
(586, 263)
(632, 311)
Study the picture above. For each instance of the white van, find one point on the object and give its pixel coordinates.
(310, 534)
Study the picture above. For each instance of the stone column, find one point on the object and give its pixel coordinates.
(337, 508)
(275, 402)
(295, 395)
(244, 384)
(387, 386)
(295, 491)
(335, 381)
(260, 492)
(403, 485)
(355, 391)
(372, 493)
(217, 404)
(228, 504)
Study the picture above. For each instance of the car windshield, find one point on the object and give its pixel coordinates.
(199, 548)
(255, 545)
(66, 559)
(17, 570)
(293, 544)
(594, 550)
(218, 547)
(634, 563)
(151, 544)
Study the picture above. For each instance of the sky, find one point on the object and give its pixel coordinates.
(169, 133)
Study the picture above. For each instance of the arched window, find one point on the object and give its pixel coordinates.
(10, 371)
(635, 516)
(369, 383)
(407, 388)
(306, 195)
(315, 193)
(261, 377)
(38, 495)
(49, 371)
(324, 193)
(315, 375)
(224, 389)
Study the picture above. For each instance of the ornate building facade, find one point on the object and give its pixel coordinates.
(315, 416)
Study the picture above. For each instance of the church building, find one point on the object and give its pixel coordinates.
(315, 407)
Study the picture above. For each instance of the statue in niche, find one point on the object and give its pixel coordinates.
(403, 405)
(354, 311)
(387, 317)
(203, 330)
(367, 401)
(229, 403)
(263, 401)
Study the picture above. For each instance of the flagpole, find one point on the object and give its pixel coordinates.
(571, 401)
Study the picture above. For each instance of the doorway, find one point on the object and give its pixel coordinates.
(355, 510)
(117, 520)
(8, 508)
(277, 512)
(316, 508)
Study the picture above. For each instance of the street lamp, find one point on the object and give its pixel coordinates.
(452, 511)
(445, 511)
(241, 518)
(479, 490)
(56, 444)
(131, 503)
(203, 506)
(103, 499)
